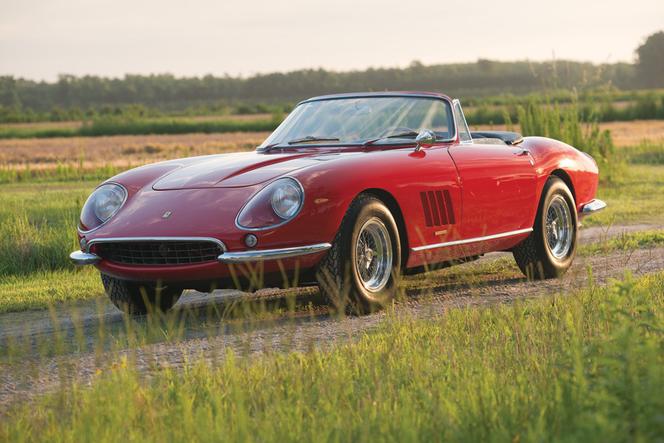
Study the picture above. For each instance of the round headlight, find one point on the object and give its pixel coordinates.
(275, 204)
(286, 200)
(102, 204)
(108, 200)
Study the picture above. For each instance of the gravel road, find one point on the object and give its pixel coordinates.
(85, 334)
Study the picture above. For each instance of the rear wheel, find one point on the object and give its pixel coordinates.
(360, 272)
(550, 249)
(139, 298)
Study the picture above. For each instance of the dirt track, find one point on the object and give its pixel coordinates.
(203, 330)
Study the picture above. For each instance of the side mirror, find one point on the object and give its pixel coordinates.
(425, 139)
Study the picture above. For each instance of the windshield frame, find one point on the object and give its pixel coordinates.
(450, 107)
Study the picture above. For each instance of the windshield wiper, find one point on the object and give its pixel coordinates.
(269, 147)
(312, 138)
(404, 134)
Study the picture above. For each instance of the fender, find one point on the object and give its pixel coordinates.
(577, 169)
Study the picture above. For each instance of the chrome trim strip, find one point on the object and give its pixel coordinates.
(595, 205)
(272, 254)
(80, 258)
(455, 102)
(130, 239)
(471, 240)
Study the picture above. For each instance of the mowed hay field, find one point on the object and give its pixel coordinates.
(121, 149)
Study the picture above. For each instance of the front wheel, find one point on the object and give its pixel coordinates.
(139, 298)
(549, 250)
(361, 270)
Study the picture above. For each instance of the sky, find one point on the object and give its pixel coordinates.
(40, 39)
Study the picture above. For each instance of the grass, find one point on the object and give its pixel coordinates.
(645, 153)
(583, 367)
(38, 226)
(42, 289)
(635, 198)
(625, 242)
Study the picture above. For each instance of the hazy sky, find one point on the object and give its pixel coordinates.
(41, 38)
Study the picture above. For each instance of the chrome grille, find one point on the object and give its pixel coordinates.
(152, 252)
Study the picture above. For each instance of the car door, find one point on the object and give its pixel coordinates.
(498, 185)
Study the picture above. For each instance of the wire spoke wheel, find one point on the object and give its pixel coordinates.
(373, 255)
(558, 230)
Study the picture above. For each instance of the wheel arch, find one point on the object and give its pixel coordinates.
(565, 177)
(393, 205)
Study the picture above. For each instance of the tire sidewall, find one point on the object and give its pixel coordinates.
(374, 208)
(554, 187)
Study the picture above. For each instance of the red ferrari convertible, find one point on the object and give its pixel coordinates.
(349, 192)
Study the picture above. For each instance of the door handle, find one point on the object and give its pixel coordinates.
(522, 152)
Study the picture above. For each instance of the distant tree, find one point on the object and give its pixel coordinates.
(650, 61)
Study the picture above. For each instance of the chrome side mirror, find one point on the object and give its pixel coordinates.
(425, 139)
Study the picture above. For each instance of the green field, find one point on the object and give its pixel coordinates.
(584, 367)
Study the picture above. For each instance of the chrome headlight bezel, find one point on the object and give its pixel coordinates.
(263, 201)
(88, 206)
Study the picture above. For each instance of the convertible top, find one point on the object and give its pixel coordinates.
(509, 138)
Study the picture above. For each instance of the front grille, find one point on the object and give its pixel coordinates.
(153, 252)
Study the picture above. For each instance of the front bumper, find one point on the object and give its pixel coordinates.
(81, 258)
(257, 255)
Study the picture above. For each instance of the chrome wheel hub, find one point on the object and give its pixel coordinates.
(373, 255)
(559, 229)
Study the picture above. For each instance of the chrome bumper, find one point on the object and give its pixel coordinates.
(81, 258)
(271, 254)
(593, 207)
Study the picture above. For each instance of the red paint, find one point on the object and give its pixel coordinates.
(484, 190)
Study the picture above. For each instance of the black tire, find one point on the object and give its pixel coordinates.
(339, 279)
(139, 298)
(534, 256)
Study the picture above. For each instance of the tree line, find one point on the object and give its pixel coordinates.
(168, 93)
(165, 91)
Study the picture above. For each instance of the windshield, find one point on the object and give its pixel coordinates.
(360, 119)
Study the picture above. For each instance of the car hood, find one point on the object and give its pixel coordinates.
(235, 170)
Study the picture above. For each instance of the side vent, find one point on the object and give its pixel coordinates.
(437, 206)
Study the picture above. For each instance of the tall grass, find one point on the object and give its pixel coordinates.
(566, 124)
(38, 227)
(600, 106)
(584, 367)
